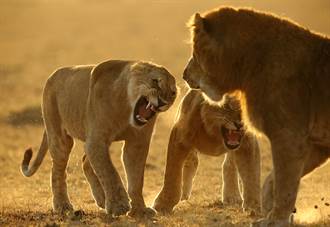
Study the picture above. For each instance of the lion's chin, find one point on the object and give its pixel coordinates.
(144, 111)
(211, 94)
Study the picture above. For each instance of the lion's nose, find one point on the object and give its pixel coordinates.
(238, 125)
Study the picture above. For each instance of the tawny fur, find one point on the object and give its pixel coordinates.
(94, 104)
(198, 129)
(282, 71)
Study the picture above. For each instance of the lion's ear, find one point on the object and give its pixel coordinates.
(200, 23)
(198, 20)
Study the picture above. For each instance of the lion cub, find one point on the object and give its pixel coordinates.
(99, 104)
(211, 129)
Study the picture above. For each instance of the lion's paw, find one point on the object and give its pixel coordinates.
(99, 199)
(270, 223)
(162, 208)
(118, 207)
(252, 208)
(232, 200)
(62, 207)
(143, 212)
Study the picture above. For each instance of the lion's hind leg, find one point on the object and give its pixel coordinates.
(60, 148)
(60, 145)
(94, 183)
(189, 172)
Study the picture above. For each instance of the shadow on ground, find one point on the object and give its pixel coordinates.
(28, 116)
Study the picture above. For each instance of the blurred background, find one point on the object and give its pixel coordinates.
(38, 36)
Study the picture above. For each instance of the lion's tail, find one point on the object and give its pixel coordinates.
(29, 171)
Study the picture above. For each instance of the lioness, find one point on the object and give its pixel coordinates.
(98, 104)
(282, 72)
(213, 130)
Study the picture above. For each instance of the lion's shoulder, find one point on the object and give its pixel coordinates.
(108, 68)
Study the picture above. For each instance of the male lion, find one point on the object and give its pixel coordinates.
(213, 130)
(283, 73)
(99, 104)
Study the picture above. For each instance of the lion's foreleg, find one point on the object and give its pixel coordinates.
(94, 183)
(116, 199)
(267, 194)
(171, 192)
(289, 152)
(135, 153)
(189, 172)
(230, 183)
(247, 160)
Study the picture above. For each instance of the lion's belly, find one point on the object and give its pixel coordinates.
(217, 151)
(209, 145)
(320, 120)
(320, 129)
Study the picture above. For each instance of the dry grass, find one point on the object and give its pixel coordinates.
(38, 36)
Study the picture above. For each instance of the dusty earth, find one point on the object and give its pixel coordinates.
(38, 36)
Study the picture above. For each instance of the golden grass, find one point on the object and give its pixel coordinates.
(38, 36)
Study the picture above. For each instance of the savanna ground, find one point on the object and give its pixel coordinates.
(38, 36)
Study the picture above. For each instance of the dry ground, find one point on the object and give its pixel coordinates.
(37, 36)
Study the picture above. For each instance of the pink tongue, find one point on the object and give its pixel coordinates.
(233, 136)
(143, 112)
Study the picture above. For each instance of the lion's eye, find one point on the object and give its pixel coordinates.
(155, 83)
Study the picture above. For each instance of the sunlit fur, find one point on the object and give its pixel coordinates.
(95, 104)
(283, 73)
(199, 128)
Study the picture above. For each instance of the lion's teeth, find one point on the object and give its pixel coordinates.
(234, 143)
(153, 108)
(148, 106)
(141, 119)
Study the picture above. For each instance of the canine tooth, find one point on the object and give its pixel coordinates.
(163, 101)
(153, 108)
(149, 104)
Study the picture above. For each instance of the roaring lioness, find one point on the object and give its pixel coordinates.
(98, 104)
(211, 129)
(282, 72)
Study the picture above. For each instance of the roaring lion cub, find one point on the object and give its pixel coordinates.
(211, 129)
(99, 104)
(282, 71)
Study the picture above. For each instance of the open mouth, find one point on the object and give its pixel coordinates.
(144, 111)
(232, 138)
